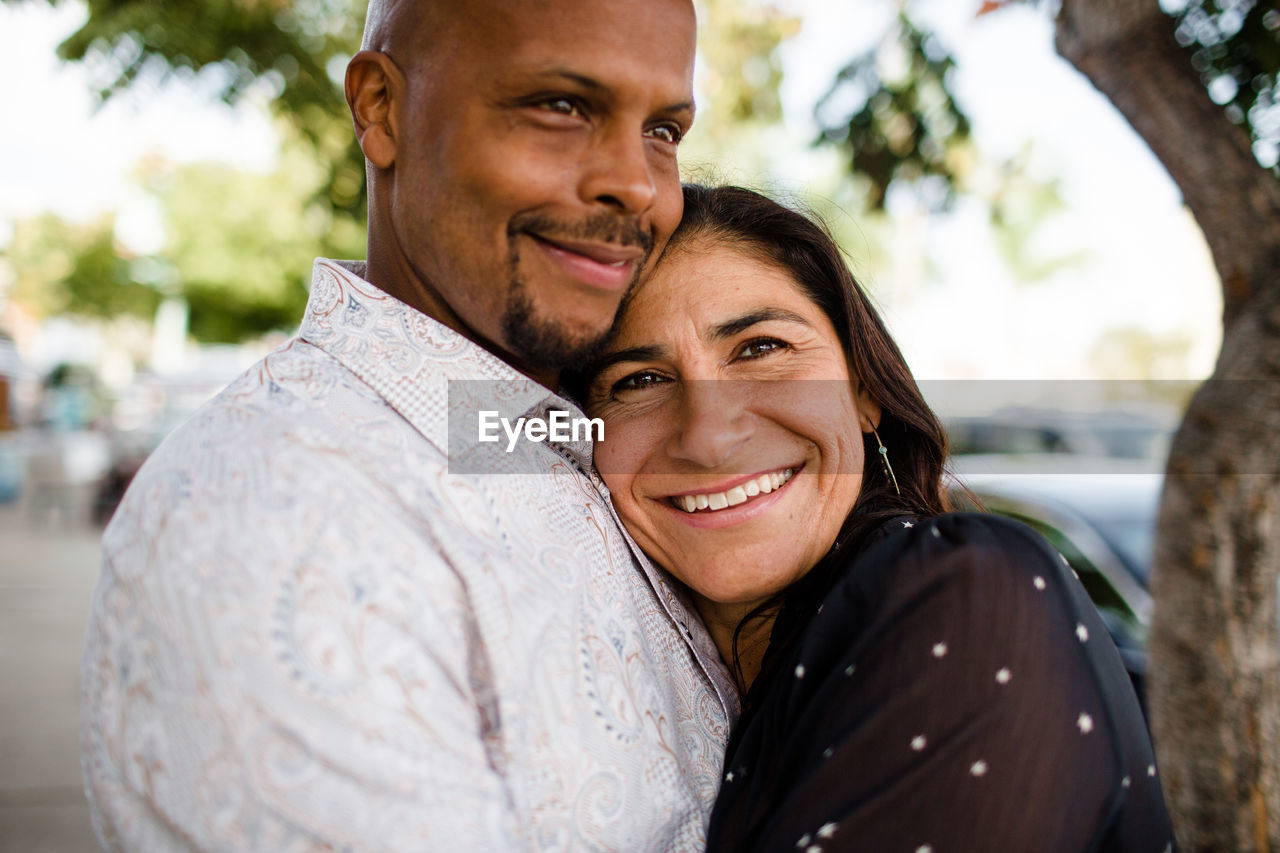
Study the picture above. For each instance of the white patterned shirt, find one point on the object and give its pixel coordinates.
(317, 629)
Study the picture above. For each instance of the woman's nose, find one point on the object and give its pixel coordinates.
(712, 423)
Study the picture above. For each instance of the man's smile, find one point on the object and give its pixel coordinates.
(611, 266)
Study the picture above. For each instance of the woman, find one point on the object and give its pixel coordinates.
(913, 680)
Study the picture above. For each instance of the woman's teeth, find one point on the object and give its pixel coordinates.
(761, 485)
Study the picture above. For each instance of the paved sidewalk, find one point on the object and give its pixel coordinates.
(47, 572)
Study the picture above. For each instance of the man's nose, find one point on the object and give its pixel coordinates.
(618, 172)
(711, 424)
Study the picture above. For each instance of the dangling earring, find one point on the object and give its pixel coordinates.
(884, 457)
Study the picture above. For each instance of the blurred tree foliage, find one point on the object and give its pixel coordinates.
(892, 114)
(740, 66)
(240, 245)
(238, 248)
(901, 123)
(1235, 45)
(61, 268)
(293, 52)
(904, 124)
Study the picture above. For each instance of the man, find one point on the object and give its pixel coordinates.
(312, 629)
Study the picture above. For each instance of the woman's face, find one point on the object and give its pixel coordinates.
(732, 428)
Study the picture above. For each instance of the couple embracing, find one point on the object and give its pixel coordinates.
(742, 619)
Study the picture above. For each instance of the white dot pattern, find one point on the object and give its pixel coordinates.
(1003, 675)
(939, 650)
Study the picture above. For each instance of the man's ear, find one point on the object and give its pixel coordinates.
(373, 85)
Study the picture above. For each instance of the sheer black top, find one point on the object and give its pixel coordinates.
(955, 691)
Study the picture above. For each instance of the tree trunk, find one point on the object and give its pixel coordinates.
(1215, 639)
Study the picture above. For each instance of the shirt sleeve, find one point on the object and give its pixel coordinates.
(946, 698)
(284, 662)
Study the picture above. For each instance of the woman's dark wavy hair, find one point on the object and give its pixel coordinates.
(802, 247)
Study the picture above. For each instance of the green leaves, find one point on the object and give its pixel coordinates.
(904, 125)
(1235, 46)
(63, 268)
(240, 244)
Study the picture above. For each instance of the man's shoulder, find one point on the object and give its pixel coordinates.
(298, 382)
(296, 400)
(296, 436)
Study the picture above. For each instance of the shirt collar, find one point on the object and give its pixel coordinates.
(427, 372)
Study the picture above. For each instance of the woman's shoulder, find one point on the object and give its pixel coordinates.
(986, 532)
(956, 663)
(907, 554)
(988, 578)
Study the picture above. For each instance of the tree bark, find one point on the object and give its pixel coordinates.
(1215, 641)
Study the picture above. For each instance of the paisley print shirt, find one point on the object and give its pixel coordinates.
(316, 628)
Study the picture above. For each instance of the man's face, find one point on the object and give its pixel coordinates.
(535, 172)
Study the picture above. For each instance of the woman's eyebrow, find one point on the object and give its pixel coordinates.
(729, 328)
(651, 352)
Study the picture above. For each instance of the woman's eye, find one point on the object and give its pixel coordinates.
(667, 133)
(761, 347)
(638, 382)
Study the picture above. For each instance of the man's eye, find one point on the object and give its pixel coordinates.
(564, 106)
(668, 132)
(761, 347)
(640, 381)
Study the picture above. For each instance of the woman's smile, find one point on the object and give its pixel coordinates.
(747, 499)
(733, 495)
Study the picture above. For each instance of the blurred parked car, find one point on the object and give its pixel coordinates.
(1103, 523)
(1108, 434)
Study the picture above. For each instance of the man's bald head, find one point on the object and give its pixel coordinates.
(398, 27)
